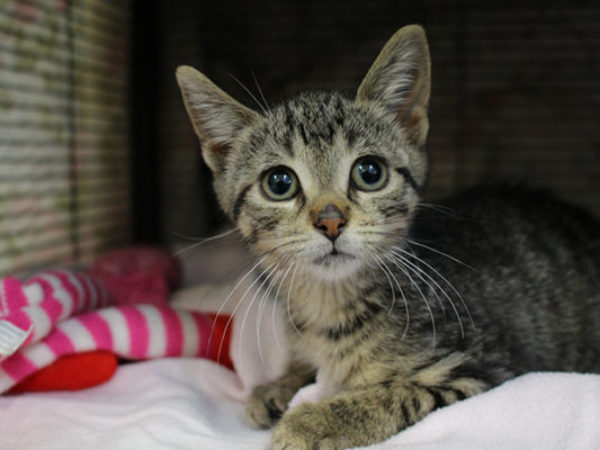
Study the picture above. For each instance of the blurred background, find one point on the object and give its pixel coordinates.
(96, 151)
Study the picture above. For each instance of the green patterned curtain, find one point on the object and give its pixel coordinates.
(64, 139)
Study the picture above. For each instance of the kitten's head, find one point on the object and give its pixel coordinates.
(323, 181)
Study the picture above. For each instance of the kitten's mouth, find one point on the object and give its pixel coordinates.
(335, 257)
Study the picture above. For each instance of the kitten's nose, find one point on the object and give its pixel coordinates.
(330, 220)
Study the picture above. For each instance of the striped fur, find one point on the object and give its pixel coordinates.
(411, 308)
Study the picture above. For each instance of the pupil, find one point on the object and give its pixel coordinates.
(370, 172)
(280, 182)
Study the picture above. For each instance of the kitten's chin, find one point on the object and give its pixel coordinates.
(334, 267)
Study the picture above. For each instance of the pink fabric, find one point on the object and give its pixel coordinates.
(51, 306)
(69, 338)
(174, 332)
(59, 343)
(52, 314)
(11, 295)
(22, 320)
(86, 299)
(68, 286)
(141, 274)
(18, 367)
(60, 300)
(138, 348)
(99, 330)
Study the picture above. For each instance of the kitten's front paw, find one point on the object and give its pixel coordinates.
(306, 428)
(266, 404)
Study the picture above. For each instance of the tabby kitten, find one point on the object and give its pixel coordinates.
(400, 309)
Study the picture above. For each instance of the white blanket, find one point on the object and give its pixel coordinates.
(185, 404)
(196, 404)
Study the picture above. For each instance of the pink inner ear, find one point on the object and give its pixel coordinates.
(414, 119)
(220, 149)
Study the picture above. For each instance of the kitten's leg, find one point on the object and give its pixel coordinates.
(368, 415)
(269, 401)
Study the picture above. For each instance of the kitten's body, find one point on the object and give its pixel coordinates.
(527, 266)
(535, 294)
(401, 309)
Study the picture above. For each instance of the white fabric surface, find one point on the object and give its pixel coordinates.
(186, 404)
(196, 404)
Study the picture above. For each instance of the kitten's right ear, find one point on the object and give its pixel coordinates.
(217, 118)
(400, 81)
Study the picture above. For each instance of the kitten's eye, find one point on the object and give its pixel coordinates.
(368, 174)
(279, 183)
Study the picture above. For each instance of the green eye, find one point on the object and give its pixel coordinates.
(368, 174)
(279, 183)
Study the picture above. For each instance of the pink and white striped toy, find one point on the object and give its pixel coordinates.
(60, 313)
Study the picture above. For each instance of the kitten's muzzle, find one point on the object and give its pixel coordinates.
(330, 221)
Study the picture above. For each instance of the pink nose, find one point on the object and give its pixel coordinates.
(330, 220)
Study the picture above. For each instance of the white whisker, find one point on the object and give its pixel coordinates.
(228, 323)
(276, 297)
(224, 302)
(446, 281)
(260, 91)
(387, 274)
(418, 271)
(406, 311)
(261, 306)
(265, 275)
(288, 299)
(243, 86)
(416, 285)
(202, 241)
(439, 252)
(241, 300)
(440, 208)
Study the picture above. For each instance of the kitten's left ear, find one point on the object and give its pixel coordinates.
(400, 80)
(217, 118)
